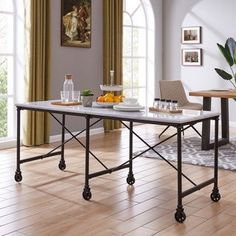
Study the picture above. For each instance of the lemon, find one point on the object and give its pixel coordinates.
(109, 95)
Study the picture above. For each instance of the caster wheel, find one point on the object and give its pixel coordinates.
(18, 176)
(130, 180)
(215, 197)
(87, 194)
(62, 165)
(180, 216)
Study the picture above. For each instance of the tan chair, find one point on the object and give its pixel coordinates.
(174, 90)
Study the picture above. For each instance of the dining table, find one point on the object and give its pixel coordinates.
(224, 95)
(92, 115)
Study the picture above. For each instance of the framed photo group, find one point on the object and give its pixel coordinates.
(189, 36)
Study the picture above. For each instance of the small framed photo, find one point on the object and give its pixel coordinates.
(76, 23)
(191, 35)
(192, 57)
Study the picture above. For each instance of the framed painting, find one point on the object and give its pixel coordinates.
(191, 35)
(76, 23)
(192, 57)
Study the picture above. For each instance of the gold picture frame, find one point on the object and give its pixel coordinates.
(76, 23)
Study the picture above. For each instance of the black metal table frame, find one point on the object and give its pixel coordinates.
(179, 214)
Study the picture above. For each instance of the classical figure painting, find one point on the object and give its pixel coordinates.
(192, 57)
(76, 23)
(191, 35)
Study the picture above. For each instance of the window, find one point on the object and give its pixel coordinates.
(138, 50)
(11, 64)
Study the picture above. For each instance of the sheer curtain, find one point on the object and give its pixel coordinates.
(37, 76)
(112, 54)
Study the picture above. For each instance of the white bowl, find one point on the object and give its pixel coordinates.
(130, 101)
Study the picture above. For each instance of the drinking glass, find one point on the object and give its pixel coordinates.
(64, 96)
(76, 96)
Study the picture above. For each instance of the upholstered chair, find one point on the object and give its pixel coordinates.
(174, 90)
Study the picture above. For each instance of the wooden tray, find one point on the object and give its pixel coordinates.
(59, 103)
(152, 109)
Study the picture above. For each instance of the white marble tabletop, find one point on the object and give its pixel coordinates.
(185, 117)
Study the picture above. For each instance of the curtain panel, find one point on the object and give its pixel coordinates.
(37, 70)
(112, 47)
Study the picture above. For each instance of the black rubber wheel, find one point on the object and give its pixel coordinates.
(62, 165)
(18, 176)
(215, 197)
(130, 180)
(180, 216)
(87, 194)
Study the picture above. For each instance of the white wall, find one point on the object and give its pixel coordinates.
(85, 64)
(217, 19)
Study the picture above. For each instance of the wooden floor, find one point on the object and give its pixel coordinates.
(49, 201)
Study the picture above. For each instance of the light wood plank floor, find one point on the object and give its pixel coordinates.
(49, 201)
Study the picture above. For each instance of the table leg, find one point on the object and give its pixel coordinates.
(206, 125)
(225, 119)
(179, 215)
(62, 164)
(87, 193)
(215, 195)
(130, 178)
(18, 176)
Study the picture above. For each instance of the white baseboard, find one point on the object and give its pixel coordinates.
(57, 138)
(8, 144)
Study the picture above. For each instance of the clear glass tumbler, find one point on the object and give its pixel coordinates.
(76, 96)
(64, 96)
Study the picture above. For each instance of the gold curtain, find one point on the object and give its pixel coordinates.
(37, 74)
(112, 47)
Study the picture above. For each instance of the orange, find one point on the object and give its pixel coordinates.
(100, 99)
(116, 99)
(108, 99)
